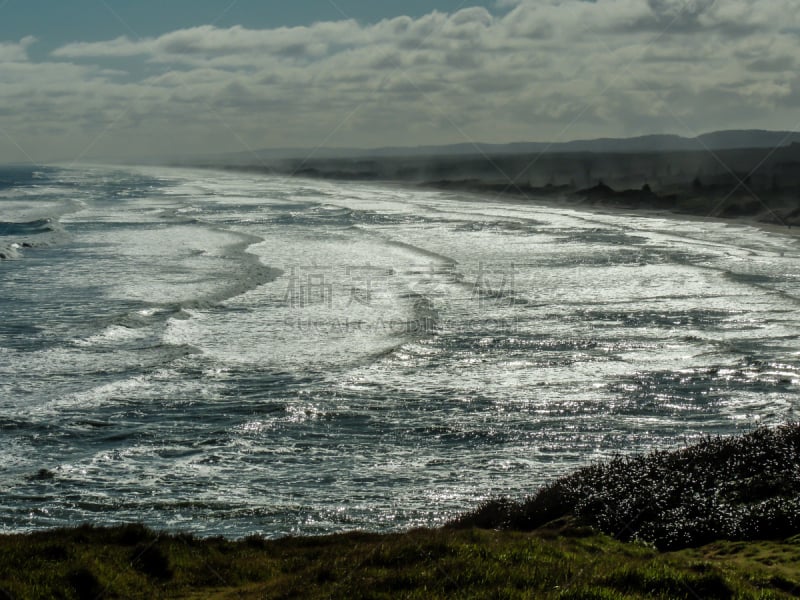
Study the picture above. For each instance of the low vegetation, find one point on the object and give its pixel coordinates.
(735, 488)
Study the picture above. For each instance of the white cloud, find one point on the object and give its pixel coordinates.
(119, 47)
(540, 69)
(15, 51)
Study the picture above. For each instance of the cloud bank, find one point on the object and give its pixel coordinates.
(543, 70)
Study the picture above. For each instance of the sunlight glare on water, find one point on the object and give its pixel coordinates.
(231, 354)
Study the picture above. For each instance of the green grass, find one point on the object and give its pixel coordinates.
(561, 561)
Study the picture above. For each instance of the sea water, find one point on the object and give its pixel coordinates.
(227, 353)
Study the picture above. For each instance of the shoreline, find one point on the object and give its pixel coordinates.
(745, 184)
(564, 197)
(568, 203)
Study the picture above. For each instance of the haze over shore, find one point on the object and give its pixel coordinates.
(753, 174)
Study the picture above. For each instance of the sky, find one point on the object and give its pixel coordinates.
(93, 79)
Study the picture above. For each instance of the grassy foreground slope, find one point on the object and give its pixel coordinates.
(554, 562)
(743, 489)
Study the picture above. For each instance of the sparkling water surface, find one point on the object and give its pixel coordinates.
(228, 353)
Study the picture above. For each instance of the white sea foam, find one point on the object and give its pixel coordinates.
(232, 353)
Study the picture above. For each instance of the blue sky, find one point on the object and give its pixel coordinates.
(90, 79)
(57, 22)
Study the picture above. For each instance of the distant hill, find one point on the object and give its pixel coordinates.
(717, 140)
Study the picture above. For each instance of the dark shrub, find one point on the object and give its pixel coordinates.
(132, 534)
(151, 561)
(85, 584)
(744, 487)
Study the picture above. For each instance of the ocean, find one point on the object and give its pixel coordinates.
(232, 354)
